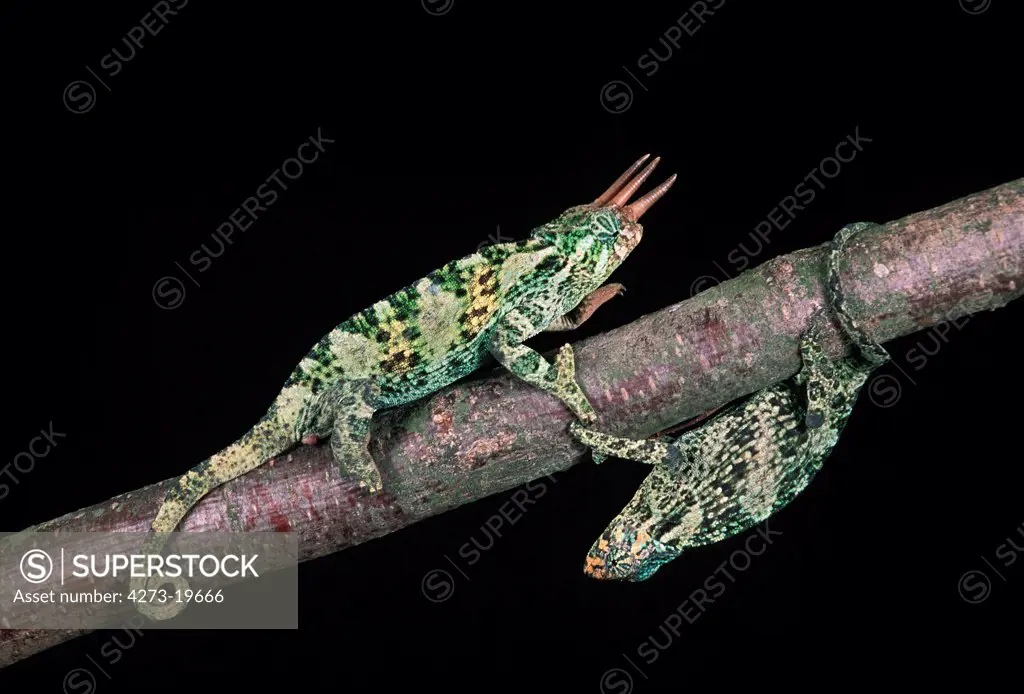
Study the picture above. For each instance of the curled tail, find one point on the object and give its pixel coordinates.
(274, 434)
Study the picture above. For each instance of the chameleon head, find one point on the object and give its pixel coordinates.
(598, 236)
(624, 553)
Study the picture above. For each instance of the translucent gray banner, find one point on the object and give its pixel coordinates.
(101, 580)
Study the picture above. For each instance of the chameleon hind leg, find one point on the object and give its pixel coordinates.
(832, 386)
(344, 412)
(352, 405)
(841, 381)
(842, 378)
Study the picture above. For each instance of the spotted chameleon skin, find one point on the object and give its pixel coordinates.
(428, 335)
(742, 466)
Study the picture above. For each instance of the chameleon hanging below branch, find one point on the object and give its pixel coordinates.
(428, 335)
(746, 463)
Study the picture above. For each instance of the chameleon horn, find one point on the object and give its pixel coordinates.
(614, 188)
(627, 192)
(637, 209)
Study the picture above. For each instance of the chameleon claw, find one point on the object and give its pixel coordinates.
(586, 415)
(310, 439)
(370, 488)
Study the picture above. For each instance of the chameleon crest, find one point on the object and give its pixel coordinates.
(743, 465)
(428, 335)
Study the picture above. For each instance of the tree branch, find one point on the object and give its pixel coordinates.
(479, 438)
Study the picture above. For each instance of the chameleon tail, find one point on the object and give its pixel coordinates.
(255, 447)
(265, 440)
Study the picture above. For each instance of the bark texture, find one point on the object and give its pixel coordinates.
(487, 436)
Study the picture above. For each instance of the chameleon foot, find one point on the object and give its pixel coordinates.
(352, 405)
(568, 390)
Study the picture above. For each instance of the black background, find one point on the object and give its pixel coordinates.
(447, 127)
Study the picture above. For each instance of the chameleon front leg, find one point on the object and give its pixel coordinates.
(533, 368)
(676, 456)
(586, 308)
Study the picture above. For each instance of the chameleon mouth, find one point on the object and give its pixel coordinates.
(595, 568)
(624, 187)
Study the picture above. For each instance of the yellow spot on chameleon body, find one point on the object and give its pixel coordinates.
(397, 351)
(483, 299)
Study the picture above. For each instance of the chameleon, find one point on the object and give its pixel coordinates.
(743, 465)
(430, 334)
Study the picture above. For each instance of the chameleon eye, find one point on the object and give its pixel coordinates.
(607, 224)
